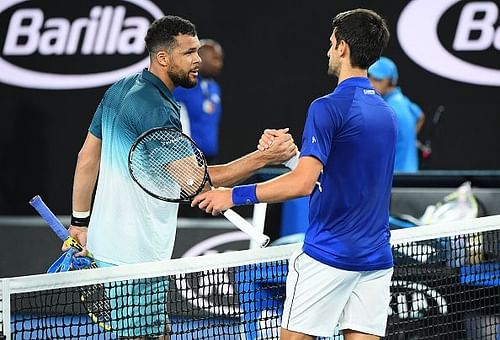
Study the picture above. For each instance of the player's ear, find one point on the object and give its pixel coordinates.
(343, 48)
(162, 58)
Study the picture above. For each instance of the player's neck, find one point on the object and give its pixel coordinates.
(347, 71)
(159, 72)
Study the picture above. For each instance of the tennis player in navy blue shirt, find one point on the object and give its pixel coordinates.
(342, 274)
(349, 132)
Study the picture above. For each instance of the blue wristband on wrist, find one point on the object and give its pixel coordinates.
(245, 194)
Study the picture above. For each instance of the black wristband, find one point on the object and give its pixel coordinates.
(80, 222)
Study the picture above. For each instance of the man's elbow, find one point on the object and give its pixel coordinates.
(87, 159)
(305, 189)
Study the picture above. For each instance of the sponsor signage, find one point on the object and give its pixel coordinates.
(34, 39)
(460, 53)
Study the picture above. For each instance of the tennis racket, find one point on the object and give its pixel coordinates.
(93, 297)
(169, 166)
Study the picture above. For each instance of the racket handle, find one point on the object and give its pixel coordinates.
(53, 222)
(243, 225)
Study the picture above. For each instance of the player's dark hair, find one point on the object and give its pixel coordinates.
(162, 32)
(365, 32)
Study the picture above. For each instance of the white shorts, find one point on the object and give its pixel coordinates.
(320, 297)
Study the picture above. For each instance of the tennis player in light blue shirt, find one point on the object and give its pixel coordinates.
(410, 117)
(127, 225)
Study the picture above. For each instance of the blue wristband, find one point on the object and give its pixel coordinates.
(245, 194)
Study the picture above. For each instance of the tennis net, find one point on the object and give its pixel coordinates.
(446, 285)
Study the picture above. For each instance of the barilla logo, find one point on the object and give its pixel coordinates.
(33, 40)
(470, 54)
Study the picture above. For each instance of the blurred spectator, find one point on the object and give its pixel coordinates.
(410, 118)
(201, 105)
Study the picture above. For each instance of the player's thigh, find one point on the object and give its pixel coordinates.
(366, 310)
(315, 295)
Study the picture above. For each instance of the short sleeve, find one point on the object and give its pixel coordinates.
(96, 124)
(415, 110)
(319, 132)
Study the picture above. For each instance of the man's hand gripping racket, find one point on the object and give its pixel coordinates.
(93, 297)
(169, 166)
(54, 223)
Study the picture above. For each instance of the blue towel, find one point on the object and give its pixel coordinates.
(68, 261)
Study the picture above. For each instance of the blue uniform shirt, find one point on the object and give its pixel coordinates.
(352, 132)
(407, 115)
(203, 104)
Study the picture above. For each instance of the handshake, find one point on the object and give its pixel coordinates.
(275, 147)
(279, 146)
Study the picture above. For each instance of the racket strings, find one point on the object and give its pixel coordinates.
(96, 301)
(168, 165)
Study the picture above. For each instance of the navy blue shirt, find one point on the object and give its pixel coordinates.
(203, 104)
(352, 132)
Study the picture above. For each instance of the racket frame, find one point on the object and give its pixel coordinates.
(206, 177)
(231, 215)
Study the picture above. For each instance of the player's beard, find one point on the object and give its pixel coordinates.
(181, 78)
(334, 67)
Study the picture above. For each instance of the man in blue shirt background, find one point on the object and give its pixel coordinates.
(384, 78)
(201, 105)
(342, 274)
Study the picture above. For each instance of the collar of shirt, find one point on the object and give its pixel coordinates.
(150, 77)
(394, 92)
(354, 82)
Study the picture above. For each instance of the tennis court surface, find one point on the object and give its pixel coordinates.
(446, 285)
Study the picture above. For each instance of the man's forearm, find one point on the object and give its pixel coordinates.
(297, 183)
(282, 148)
(285, 187)
(238, 170)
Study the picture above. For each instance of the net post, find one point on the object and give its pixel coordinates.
(258, 221)
(4, 309)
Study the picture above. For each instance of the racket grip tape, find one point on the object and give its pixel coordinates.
(53, 222)
(245, 226)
